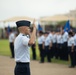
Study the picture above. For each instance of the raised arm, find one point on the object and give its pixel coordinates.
(33, 35)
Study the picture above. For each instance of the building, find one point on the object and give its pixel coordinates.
(72, 13)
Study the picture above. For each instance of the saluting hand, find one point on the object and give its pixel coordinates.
(34, 25)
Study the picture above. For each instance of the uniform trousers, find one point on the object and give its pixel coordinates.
(75, 55)
(58, 51)
(12, 49)
(48, 53)
(72, 56)
(41, 53)
(22, 69)
(34, 51)
(54, 49)
(65, 51)
(61, 51)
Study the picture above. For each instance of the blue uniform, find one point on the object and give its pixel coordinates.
(40, 44)
(75, 47)
(71, 53)
(22, 55)
(47, 42)
(65, 40)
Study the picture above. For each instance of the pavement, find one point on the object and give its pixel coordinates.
(7, 65)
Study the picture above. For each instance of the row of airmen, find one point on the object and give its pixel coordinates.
(57, 44)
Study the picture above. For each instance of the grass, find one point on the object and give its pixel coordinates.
(4, 48)
(5, 51)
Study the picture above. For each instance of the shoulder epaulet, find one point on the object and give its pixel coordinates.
(23, 35)
(26, 36)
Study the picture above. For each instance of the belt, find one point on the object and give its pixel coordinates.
(22, 62)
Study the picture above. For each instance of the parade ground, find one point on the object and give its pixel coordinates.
(7, 65)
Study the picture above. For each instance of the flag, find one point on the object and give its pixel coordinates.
(8, 29)
(67, 26)
(39, 27)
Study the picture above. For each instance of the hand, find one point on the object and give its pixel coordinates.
(42, 47)
(49, 48)
(34, 25)
(72, 51)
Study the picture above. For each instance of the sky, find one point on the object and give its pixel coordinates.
(35, 8)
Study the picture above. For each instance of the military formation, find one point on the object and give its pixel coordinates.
(57, 44)
(54, 44)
